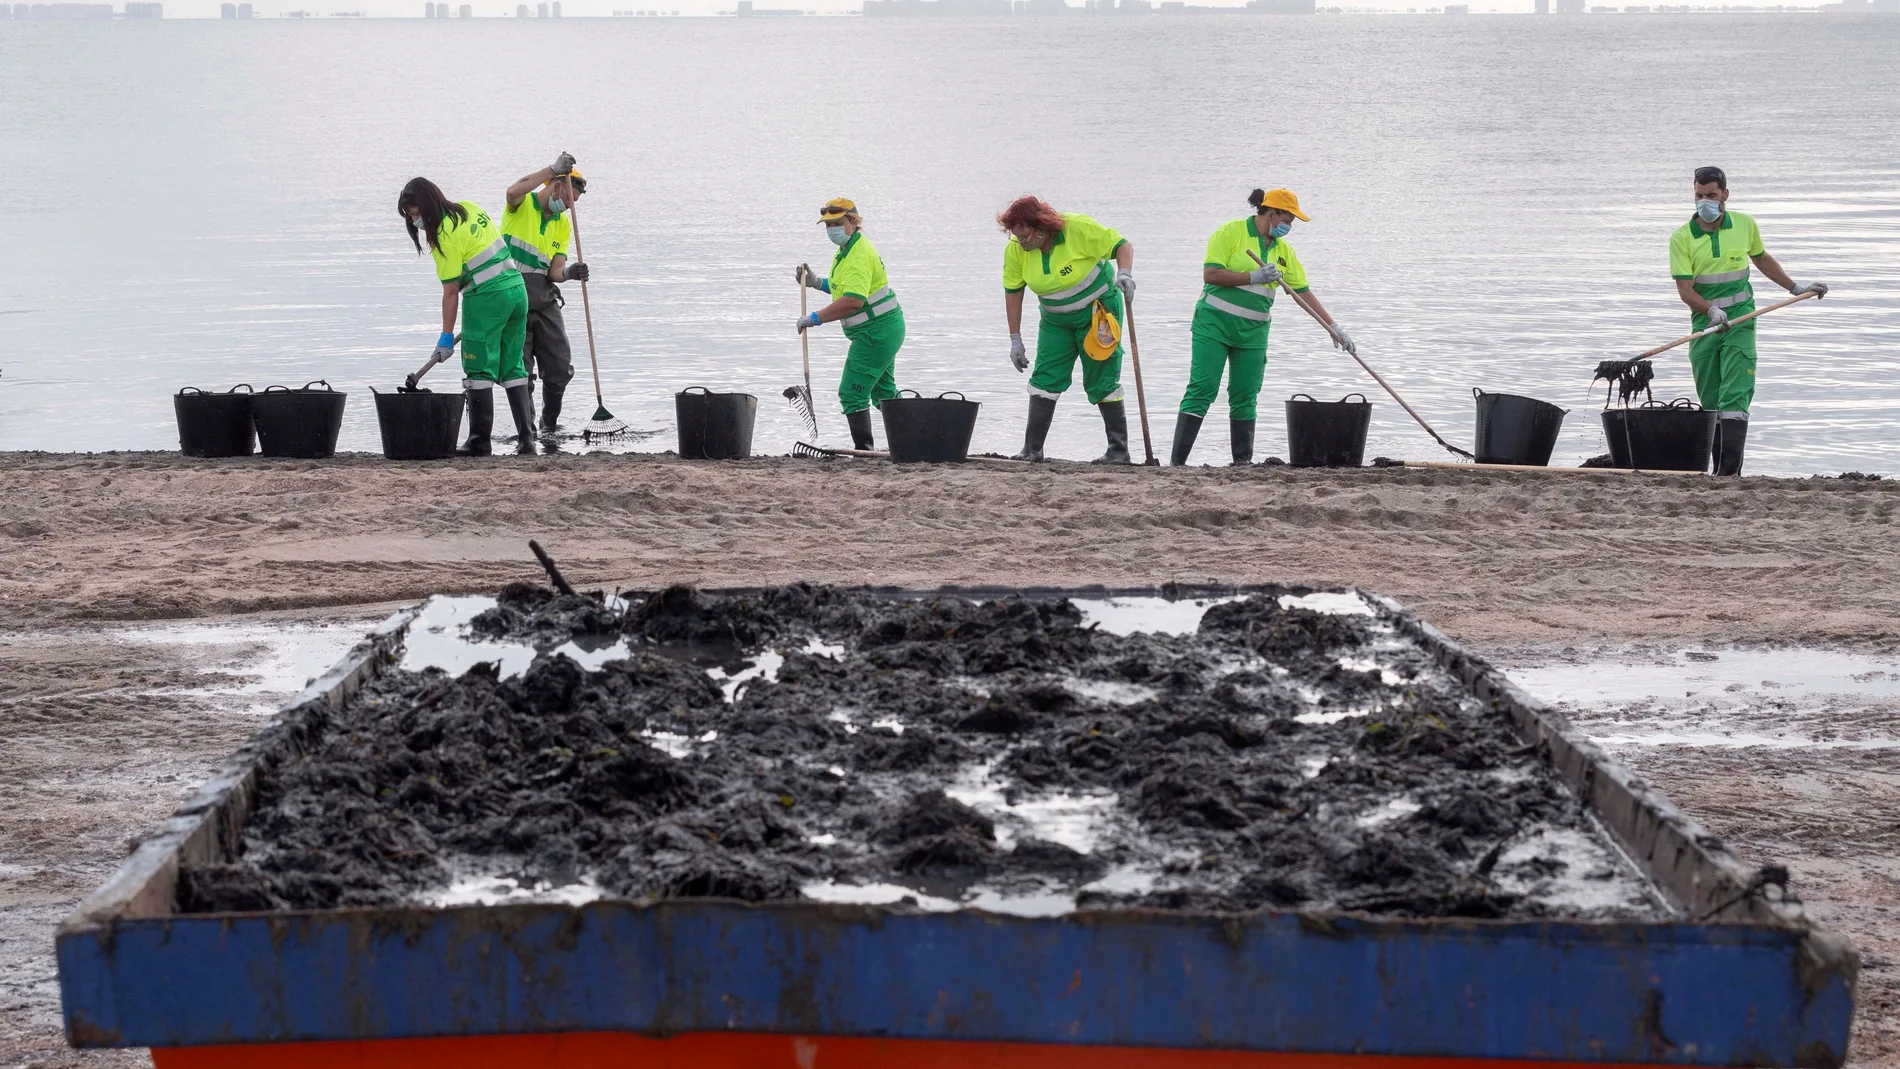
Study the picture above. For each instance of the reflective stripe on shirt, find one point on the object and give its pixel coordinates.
(1732, 299)
(529, 257)
(881, 303)
(1233, 309)
(1726, 276)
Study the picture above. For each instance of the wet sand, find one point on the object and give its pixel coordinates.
(101, 738)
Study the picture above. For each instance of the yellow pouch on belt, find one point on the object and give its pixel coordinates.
(1105, 334)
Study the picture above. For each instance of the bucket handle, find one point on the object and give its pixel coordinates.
(245, 386)
(1680, 402)
(325, 383)
(958, 394)
(1350, 396)
(1477, 392)
(701, 389)
(1307, 396)
(276, 389)
(183, 390)
(913, 393)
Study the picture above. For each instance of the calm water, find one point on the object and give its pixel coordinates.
(203, 203)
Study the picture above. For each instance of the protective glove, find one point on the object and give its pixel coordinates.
(1718, 319)
(444, 348)
(1264, 274)
(808, 278)
(807, 322)
(1819, 289)
(1125, 278)
(575, 272)
(1018, 355)
(1343, 340)
(563, 164)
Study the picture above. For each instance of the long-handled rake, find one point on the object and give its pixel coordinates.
(1300, 299)
(604, 424)
(1633, 375)
(800, 396)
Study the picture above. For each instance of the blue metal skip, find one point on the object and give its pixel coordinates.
(1765, 986)
(1670, 993)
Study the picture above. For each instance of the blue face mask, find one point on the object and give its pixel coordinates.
(836, 234)
(1709, 210)
(1280, 230)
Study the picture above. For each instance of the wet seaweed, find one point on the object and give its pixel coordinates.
(1277, 757)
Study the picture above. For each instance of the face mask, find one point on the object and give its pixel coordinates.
(1280, 230)
(836, 234)
(557, 205)
(1709, 210)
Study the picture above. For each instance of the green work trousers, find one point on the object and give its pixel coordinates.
(494, 327)
(1724, 366)
(1059, 345)
(870, 367)
(1245, 366)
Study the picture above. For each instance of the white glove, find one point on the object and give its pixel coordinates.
(1819, 289)
(1264, 274)
(1342, 340)
(806, 322)
(1125, 278)
(1718, 318)
(1018, 355)
(811, 279)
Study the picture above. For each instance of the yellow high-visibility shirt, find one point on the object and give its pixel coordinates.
(1072, 273)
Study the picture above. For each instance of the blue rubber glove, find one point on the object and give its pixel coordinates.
(444, 346)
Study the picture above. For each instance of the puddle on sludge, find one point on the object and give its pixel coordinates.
(1015, 755)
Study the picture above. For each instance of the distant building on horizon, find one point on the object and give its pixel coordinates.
(136, 10)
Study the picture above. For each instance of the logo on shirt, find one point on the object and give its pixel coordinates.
(1066, 270)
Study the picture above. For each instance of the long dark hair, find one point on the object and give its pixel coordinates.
(1257, 198)
(427, 197)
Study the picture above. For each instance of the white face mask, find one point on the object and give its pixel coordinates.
(837, 235)
(557, 205)
(1709, 210)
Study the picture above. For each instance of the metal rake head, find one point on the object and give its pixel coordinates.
(800, 397)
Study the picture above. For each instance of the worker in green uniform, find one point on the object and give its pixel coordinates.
(472, 263)
(1246, 261)
(539, 232)
(863, 302)
(1709, 257)
(1073, 264)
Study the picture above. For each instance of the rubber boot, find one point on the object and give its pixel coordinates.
(1186, 429)
(1242, 431)
(1731, 437)
(481, 424)
(860, 422)
(1115, 422)
(1042, 411)
(521, 404)
(551, 394)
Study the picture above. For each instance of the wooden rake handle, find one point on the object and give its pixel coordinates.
(1737, 321)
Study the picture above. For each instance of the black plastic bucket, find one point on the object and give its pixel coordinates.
(1327, 434)
(1658, 436)
(418, 424)
(215, 424)
(298, 423)
(715, 426)
(1516, 430)
(932, 430)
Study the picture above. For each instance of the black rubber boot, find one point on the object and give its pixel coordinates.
(1731, 437)
(521, 404)
(1242, 431)
(1186, 429)
(481, 424)
(1042, 411)
(551, 406)
(860, 422)
(1115, 423)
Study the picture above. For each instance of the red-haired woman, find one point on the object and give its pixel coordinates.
(1072, 263)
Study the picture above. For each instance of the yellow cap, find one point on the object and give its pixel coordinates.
(579, 180)
(1284, 200)
(835, 209)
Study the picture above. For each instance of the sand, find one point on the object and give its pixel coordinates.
(100, 736)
